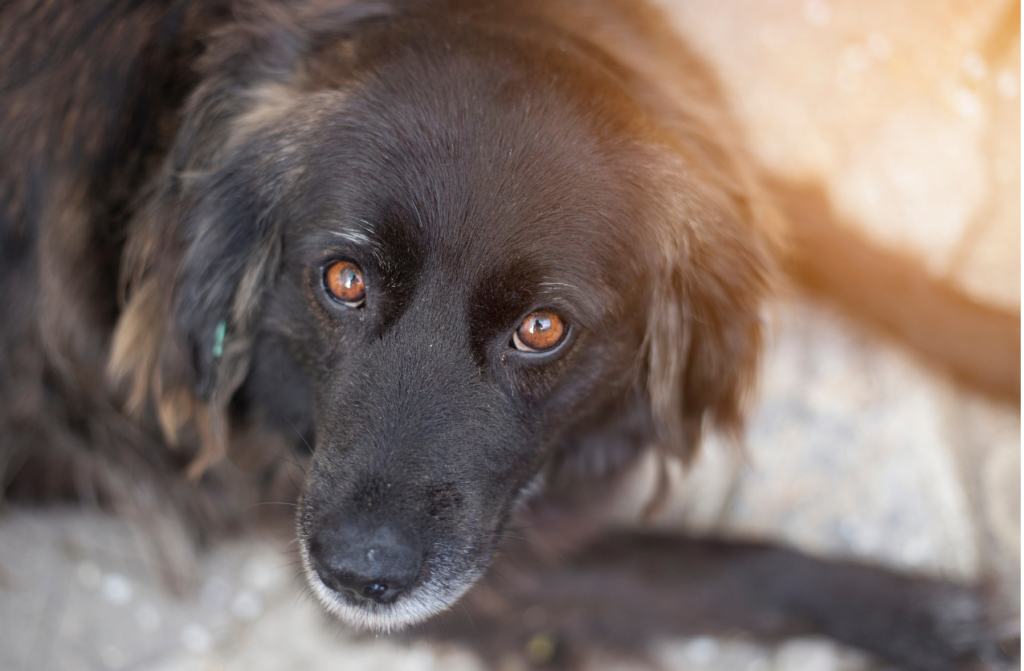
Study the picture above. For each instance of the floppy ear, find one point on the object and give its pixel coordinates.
(205, 244)
(199, 257)
(714, 264)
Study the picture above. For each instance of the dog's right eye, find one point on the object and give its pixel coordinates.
(344, 281)
(540, 332)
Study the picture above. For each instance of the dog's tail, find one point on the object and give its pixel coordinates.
(978, 344)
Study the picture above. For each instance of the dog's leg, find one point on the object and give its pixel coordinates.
(625, 588)
(978, 344)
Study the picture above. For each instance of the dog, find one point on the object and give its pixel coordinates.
(471, 261)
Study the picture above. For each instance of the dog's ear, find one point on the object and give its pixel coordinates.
(714, 264)
(205, 242)
(201, 251)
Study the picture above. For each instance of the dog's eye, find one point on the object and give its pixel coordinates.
(539, 332)
(344, 281)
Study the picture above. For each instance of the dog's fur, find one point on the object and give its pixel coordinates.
(169, 167)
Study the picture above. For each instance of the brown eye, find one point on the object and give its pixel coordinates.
(345, 282)
(539, 332)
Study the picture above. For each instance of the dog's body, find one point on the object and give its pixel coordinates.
(480, 174)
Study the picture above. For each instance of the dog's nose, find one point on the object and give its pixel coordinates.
(376, 564)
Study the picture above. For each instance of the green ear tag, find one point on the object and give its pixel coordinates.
(218, 338)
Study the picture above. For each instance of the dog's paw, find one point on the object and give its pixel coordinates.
(974, 631)
(957, 629)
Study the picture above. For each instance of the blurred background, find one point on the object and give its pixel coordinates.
(909, 112)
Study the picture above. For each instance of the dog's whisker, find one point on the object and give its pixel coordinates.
(440, 628)
(272, 503)
(468, 616)
(290, 460)
(538, 543)
(299, 434)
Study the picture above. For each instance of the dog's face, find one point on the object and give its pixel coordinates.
(468, 276)
(447, 261)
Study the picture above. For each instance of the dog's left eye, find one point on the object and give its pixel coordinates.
(541, 331)
(344, 281)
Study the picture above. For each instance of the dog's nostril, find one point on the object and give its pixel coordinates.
(375, 590)
(357, 586)
(375, 564)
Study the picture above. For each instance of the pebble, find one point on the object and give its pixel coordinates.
(807, 655)
(89, 574)
(702, 651)
(974, 66)
(260, 575)
(879, 46)
(196, 638)
(214, 593)
(247, 606)
(817, 13)
(112, 657)
(116, 589)
(148, 618)
(1008, 84)
(967, 104)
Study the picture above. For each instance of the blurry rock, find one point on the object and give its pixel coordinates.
(850, 454)
(815, 654)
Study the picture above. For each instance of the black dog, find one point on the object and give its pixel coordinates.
(481, 256)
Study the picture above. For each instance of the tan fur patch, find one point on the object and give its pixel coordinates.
(136, 344)
(212, 424)
(134, 360)
(269, 102)
(175, 408)
(247, 295)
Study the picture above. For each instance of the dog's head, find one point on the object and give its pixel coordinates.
(455, 255)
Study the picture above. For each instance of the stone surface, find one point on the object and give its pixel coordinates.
(849, 454)
(908, 112)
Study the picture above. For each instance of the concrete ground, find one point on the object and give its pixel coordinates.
(909, 112)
